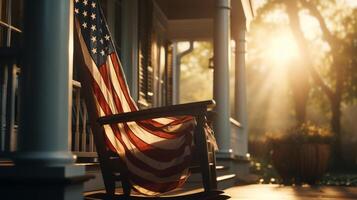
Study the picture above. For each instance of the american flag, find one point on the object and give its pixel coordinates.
(157, 152)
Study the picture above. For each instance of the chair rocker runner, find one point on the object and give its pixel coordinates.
(153, 150)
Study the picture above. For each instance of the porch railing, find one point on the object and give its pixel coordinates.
(81, 138)
(8, 99)
(82, 142)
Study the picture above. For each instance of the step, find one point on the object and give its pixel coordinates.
(226, 181)
(222, 170)
(6, 163)
(95, 183)
(225, 177)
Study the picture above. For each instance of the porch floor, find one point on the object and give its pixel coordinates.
(252, 192)
(266, 191)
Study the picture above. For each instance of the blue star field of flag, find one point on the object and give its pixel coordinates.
(94, 29)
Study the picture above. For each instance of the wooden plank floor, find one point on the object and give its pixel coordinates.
(251, 192)
(265, 191)
(178, 194)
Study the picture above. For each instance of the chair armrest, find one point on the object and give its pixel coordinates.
(195, 108)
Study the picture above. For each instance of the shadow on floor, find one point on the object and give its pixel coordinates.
(215, 195)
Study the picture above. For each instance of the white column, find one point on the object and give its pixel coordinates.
(46, 84)
(176, 74)
(221, 73)
(240, 103)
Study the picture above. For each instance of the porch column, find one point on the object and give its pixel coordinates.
(240, 102)
(221, 73)
(45, 88)
(44, 167)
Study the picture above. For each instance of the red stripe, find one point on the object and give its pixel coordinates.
(110, 87)
(160, 132)
(102, 102)
(169, 171)
(123, 85)
(162, 155)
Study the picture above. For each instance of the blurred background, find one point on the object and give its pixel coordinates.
(301, 69)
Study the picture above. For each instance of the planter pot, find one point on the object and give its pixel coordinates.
(313, 162)
(285, 159)
(300, 163)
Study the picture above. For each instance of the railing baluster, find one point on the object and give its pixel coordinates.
(10, 108)
(77, 117)
(84, 131)
(3, 91)
(91, 141)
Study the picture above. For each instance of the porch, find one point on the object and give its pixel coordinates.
(68, 152)
(256, 192)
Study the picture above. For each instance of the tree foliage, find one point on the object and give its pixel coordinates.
(326, 34)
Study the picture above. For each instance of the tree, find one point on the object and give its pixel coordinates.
(338, 82)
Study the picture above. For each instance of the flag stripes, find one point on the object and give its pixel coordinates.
(156, 152)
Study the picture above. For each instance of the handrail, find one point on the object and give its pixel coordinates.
(10, 27)
(194, 108)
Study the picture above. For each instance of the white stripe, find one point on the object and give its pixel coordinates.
(149, 161)
(118, 87)
(154, 140)
(163, 120)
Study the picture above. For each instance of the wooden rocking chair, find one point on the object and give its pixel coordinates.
(203, 161)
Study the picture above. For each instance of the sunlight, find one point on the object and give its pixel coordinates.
(282, 49)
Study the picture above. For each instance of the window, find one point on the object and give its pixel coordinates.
(145, 65)
(155, 57)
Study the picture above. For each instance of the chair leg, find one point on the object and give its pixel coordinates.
(201, 143)
(126, 187)
(213, 176)
(110, 189)
(206, 178)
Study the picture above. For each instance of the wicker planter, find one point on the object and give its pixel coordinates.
(300, 163)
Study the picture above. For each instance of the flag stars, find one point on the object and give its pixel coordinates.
(85, 2)
(76, 1)
(101, 41)
(93, 38)
(93, 5)
(76, 10)
(84, 25)
(94, 51)
(84, 13)
(107, 37)
(102, 52)
(93, 27)
(92, 16)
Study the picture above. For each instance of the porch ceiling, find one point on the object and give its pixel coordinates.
(193, 19)
(196, 9)
(186, 9)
